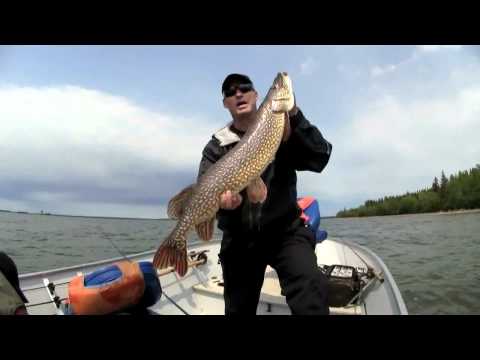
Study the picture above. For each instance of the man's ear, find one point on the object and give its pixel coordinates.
(256, 95)
(225, 106)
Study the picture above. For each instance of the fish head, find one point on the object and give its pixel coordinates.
(282, 93)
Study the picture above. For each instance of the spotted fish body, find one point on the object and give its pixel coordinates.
(197, 205)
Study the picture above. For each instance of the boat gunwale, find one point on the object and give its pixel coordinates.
(26, 276)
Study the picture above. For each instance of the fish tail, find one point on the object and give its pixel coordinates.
(170, 254)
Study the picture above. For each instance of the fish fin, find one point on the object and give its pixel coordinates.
(205, 229)
(257, 191)
(286, 129)
(168, 254)
(176, 205)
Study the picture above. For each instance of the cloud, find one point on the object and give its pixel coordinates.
(435, 48)
(350, 71)
(378, 70)
(393, 146)
(308, 67)
(68, 144)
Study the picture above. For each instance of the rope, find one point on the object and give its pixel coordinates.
(370, 282)
(174, 303)
(41, 287)
(367, 264)
(47, 302)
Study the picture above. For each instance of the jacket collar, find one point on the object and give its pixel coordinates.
(226, 136)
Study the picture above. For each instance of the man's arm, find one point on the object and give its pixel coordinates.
(306, 148)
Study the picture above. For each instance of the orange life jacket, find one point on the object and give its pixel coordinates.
(304, 203)
(107, 298)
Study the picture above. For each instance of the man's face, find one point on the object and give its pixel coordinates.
(240, 100)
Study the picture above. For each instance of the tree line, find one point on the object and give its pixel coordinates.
(459, 191)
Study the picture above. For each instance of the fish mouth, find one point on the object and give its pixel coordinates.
(283, 98)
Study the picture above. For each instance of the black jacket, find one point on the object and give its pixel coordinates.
(306, 149)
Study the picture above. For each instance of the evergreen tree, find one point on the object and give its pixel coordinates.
(435, 186)
(443, 188)
(460, 191)
(443, 182)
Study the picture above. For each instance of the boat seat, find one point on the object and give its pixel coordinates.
(270, 293)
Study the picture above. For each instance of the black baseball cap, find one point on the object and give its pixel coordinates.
(9, 269)
(235, 79)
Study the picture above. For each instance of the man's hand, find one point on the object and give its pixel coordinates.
(288, 130)
(294, 110)
(257, 191)
(21, 311)
(230, 201)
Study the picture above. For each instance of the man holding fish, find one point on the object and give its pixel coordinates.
(247, 181)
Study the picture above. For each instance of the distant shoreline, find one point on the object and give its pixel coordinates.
(102, 217)
(80, 216)
(451, 212)
(455, 212)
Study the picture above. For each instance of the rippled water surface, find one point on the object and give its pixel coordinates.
(433, 258)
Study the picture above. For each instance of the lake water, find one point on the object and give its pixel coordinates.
(433, 258)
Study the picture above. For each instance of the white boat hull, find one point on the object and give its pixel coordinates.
(200, 292)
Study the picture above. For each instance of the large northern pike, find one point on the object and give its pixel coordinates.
(197, 205)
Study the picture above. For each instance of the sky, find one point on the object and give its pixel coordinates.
(118, 130)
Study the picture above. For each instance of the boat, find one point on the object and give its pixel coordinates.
(200, 291)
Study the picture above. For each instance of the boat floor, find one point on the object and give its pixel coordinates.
(270, 296)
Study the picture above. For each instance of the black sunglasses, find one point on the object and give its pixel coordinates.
(244, 88)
